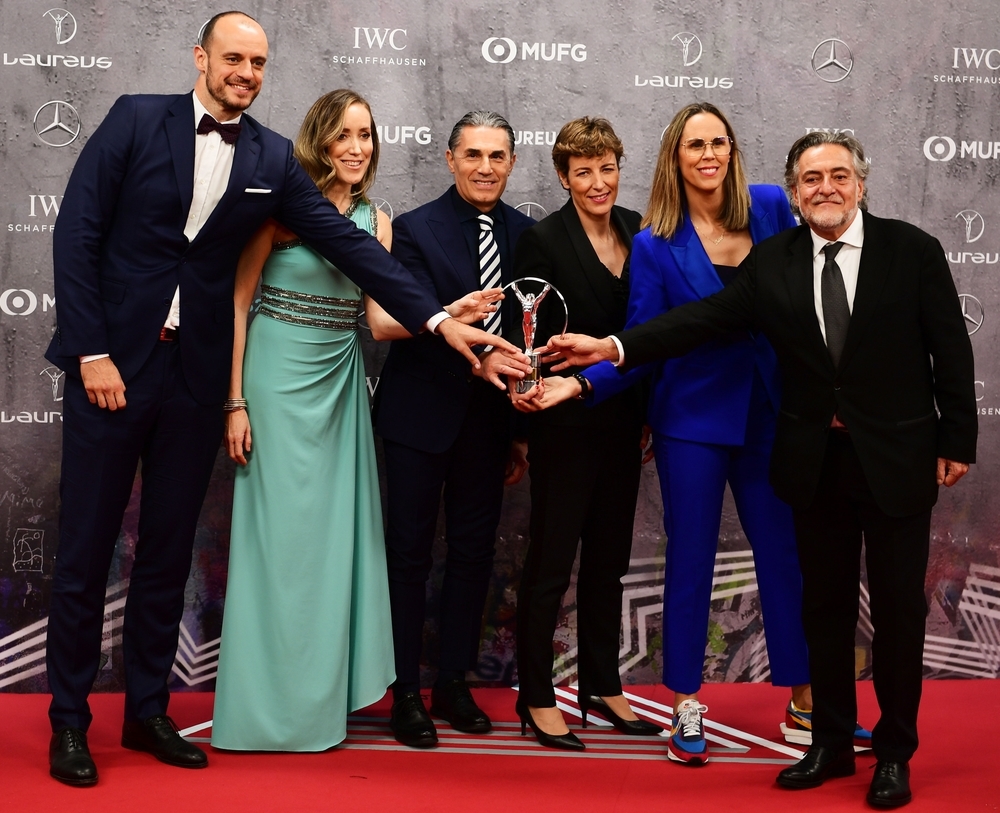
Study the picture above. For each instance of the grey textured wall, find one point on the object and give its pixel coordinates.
(917, 83)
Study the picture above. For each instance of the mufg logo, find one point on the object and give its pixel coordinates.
(501, 50)
(944, 148)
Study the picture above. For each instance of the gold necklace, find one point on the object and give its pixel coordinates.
(714, 242)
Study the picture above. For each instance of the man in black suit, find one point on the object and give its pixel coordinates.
(161, 201)
(878, 411)
(443, 428)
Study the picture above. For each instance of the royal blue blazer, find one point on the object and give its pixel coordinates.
(703, 396)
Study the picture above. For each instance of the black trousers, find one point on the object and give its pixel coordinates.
(830, 534)
(471, 474)
(176, 438)
(584, 482)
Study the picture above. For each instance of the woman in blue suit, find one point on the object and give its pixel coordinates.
(712, 413)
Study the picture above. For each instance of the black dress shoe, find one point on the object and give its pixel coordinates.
(70, 760)
(637, 728)
(158, 736)
(410, 722)
(566, 742)
(891, 784)
(819, 764)
(453, 702)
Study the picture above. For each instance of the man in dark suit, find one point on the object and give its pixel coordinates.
(878, 411)
(443, 428)
(159, 205)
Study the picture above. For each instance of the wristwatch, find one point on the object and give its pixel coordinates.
(584, 386)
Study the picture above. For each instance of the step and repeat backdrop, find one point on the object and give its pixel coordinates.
(918, 84)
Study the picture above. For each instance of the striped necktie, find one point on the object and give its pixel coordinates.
(489, 268)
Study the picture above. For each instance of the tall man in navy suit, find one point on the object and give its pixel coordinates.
(159, 205)
(446, 429)
(878, 410)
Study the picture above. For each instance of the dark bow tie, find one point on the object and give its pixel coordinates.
(229, 132)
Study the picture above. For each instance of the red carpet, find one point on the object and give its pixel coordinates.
(954, 770)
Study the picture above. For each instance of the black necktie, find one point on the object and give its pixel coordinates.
(229, 132)
(836, 313)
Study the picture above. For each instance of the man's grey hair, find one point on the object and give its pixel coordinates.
(480, 118)
(815, 139)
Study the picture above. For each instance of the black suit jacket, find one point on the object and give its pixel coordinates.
(425, 387)
(120, 251)
(907, 350)
(558, 250)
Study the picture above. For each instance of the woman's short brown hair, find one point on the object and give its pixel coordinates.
(320, 128)
(586, 137)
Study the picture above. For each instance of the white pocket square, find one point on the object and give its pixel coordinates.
(252, 191)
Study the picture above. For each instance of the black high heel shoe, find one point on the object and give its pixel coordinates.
(637, 728)
(567, 742)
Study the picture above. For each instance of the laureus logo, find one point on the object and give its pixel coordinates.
(690, 46)
(974, 224)
(65, 24)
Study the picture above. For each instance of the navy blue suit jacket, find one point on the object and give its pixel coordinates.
(120, 251)
(424, 389)
(703, 396)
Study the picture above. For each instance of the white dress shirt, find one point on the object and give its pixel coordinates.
(848, 258)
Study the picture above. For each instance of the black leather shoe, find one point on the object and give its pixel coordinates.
(819, 764)
(637, 728)
(565, 742)
(453, 702)
(891, 784)
(70, 760)
(410, 722)
(158, 736)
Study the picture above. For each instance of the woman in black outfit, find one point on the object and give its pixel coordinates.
(584, 461)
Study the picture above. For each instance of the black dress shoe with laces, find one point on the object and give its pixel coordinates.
(158, 736)
(819, 764)
(70, 760)
(890, 785)
(410, 722)
(453, 702)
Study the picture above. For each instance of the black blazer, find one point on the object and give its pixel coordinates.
(907, 351)
(119, 247)
(425, 386)
(558, 250)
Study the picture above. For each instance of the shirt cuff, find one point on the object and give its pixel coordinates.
(85, 359)
(432, 323)
(621, 351)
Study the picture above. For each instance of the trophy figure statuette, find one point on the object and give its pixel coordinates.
(530, 303)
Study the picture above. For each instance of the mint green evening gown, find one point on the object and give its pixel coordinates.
(306, 636)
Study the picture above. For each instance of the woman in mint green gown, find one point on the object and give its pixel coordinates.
(306, 636)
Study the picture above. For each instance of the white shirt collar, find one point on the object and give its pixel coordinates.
(200, 110)
(854, 236)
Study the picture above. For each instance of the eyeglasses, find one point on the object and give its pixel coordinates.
(720, 145)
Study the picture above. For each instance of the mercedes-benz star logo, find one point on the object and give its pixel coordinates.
(59, 125)
(686, 40)
(533, 210)
(65, 24)
(832, 60)
(383, 205)
(974, 224)
(972, 312)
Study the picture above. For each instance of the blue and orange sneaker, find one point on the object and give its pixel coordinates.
(797, 729)
(687, 734)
